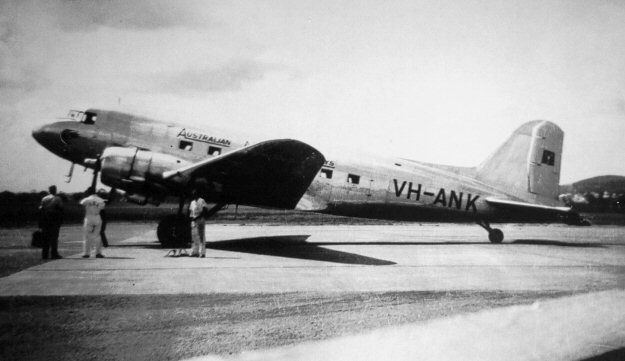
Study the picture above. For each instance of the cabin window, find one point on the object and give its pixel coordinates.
(353, 179)
(214, 150)
(549, 157)
(185, 145)
(326, 173)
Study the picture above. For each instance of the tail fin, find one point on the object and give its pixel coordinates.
(527, 165)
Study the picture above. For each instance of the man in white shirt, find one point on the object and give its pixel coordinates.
(198, 224)
(91, 227)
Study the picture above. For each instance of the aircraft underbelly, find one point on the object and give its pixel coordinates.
(399, 211)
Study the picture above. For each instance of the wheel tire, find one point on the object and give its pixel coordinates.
(174, 232)
(495, 235)
(166, 231)
(183, 232)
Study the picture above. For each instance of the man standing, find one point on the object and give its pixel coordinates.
(106, 199)
(198, 224)
(50, 219)
(91, 227)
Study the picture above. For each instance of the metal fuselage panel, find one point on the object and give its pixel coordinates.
(395, 189)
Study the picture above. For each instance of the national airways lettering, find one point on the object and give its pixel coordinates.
(454, 199)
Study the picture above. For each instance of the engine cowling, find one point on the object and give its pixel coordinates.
(137, 171)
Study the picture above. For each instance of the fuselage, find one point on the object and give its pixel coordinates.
(364, 186)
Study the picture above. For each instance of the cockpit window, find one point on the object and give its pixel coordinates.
(83, 117)
(90, 118)
(76, 115)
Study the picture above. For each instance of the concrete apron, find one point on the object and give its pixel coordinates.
(331, 259)
(569, 328)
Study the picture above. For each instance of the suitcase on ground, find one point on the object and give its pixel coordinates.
(37, 241)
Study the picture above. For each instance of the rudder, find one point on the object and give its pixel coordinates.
(527, 165)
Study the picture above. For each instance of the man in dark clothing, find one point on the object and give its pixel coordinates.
(50, 219)
(105, 241)
(107, 200)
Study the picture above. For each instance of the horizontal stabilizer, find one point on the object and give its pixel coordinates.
(514, 205)
(532, 212)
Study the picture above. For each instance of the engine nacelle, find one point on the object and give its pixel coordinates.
(137, 171)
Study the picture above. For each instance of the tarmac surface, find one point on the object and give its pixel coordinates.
(560, 329)
(277, 259)
(439, 291)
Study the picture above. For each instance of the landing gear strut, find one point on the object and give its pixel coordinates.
(174, 231)
(95, 162)
(495, 235)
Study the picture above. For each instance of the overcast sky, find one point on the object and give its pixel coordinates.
(437, 81)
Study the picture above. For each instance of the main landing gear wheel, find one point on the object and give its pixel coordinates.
(174, 231)
(495, 235)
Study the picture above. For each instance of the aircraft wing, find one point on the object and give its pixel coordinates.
(274, 173)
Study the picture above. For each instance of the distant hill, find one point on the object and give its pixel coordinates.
(601, 194)
(600, 184)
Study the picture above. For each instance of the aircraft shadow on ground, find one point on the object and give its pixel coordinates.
(539, 242)
(92, 258)
(294, 247)
(549, 242)
(446, 243)
(614, 355)
(138, 245)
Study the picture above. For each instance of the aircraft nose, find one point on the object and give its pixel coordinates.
(50, 136)
(37, 133)
(43, 135)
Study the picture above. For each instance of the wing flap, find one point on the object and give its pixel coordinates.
(274, 173)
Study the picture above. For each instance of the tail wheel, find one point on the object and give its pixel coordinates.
(174, 232)
(495, 235)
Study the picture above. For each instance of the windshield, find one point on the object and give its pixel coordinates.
(83, 117)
